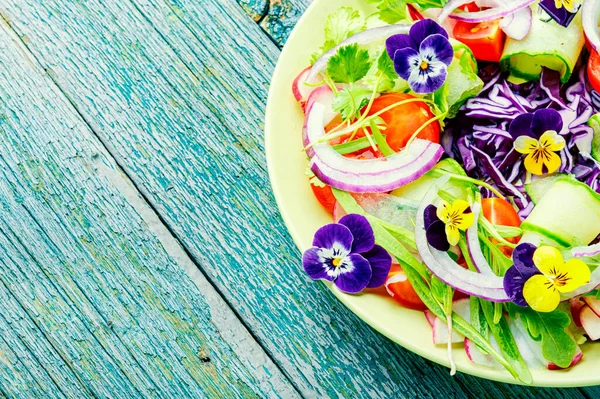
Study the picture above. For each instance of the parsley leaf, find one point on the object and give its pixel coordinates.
(350, 100)
(349, 65)
(339, 26)
(558, 346)
(392, 11)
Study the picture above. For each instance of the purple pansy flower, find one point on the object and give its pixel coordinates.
(536, 124)
(435, 229)
(422, 57)
(562, 11)
(345, 254)
(522, 270)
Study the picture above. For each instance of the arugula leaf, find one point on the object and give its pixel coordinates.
(350, 100)
(349, 64)
(339, 26)
(506, 341)
(392, 11)
(558, 346)
(478, 318)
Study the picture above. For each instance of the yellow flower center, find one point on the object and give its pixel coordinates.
(336, 262)
(424, 65)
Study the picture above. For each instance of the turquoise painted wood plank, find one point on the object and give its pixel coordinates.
(281, 18)
(179, 102)
(257, 9)
(95, 305)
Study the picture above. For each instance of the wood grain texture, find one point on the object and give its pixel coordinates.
(257, 9)
(281, 18)
(179, 101)
(93, 304)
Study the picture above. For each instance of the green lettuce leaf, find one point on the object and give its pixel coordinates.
(339, 26)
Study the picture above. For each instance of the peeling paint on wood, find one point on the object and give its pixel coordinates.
(94, 303)
(282, 17)
(257, 9)
(179, 101)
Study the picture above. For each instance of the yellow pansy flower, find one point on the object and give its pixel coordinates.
(541, 154)
(457, 216)
(542, 291)
(570, 5)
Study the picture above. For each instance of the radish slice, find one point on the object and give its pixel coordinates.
(492, 13)
(462, 307)
(518, 24)
(299, 89)
(365, 37)
(576, 359)
(576, 304)
(439, 263)
(478, 357)
(430, 317)
(365, 176)
(593, 303)
(479, 261)
(590, 323)
(590, 13)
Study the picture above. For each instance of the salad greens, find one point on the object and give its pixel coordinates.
(451, 156)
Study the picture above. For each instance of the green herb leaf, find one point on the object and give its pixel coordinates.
(349, 65)
(392, 11)
(340, 25)
(594, 123)
(350, 100)
(506, 342)
(558, 346)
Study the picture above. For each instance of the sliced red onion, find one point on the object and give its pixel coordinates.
(449, 9)
(492, 13)
(580, 252)
(484, 286)
(479, 261)
(365, 176)
(364, 37)
(518, 24)
(325, 96)
(590, 13)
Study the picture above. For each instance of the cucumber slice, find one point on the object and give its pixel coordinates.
(567, 215)
(594, 123)
(547, 45)
(538, 188)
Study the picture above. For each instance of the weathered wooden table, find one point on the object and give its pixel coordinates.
(141, 252)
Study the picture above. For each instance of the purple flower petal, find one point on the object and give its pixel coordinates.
(436, 236)
(544, 120)
(437, 48)
(430, 216)
(314, 265)
(513, 286)
(523, 259)
(427, 27)
(405, 61)
(381, 263)
(334, 236)
(560, 15)
(521, 126)
(399, 42)
(354, 275)
(361, 230)
(429, 80)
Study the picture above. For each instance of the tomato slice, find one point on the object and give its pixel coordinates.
(325, 196)
(404, 120)
(485, 39)
(593, 70)
(501, 212)
(399, 288)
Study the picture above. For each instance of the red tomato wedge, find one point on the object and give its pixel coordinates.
(325, 196)
(593, 70)
(501, 212)
(399, 288)
(404, 120)
(485, 39)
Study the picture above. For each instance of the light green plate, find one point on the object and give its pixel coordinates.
(303, 215)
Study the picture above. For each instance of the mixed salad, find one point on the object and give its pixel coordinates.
(457, 146)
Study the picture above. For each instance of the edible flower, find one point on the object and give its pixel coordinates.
(539, 275)
(422, 56)
(443, 223)
(536, 136)
(562, 11)
(345, 253)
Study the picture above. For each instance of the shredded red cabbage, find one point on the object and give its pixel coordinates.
(478, 137)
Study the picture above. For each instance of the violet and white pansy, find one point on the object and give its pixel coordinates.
(422, 56)
(345, 253)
